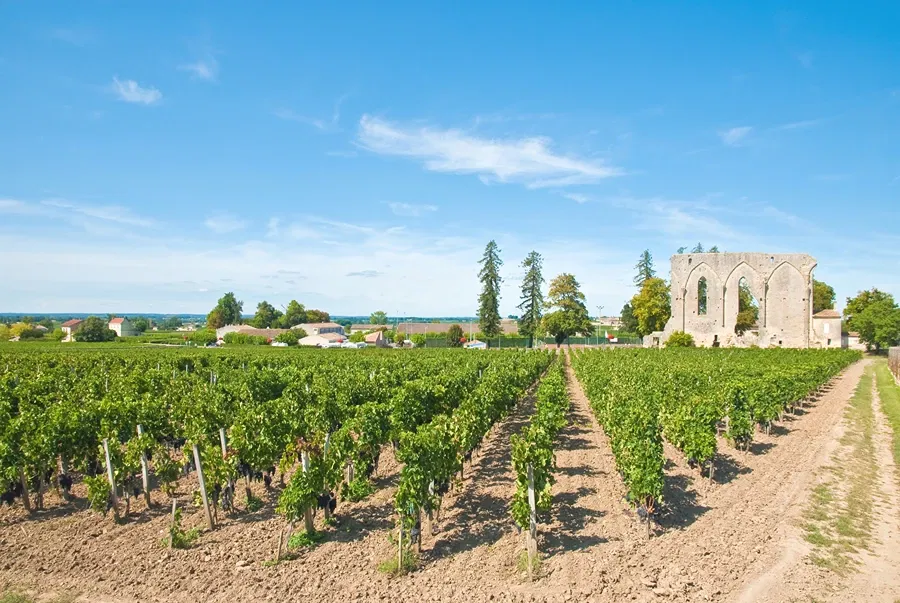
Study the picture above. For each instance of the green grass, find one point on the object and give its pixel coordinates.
(889, 392)
(392, 568)
(254, 504)
(13, 596)
(522, 563)
(305, 539)
(838, 520)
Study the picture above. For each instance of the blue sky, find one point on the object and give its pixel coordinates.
(155, 155)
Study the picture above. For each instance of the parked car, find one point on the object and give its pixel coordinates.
(331, 344)
(279, 344)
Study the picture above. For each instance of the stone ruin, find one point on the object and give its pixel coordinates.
(781, 285)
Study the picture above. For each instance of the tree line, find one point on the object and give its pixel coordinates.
(229, 311)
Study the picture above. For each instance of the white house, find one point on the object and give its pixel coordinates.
(122, 327)
(321, 328)
(826, 329)
(70, 327)
(320, 340)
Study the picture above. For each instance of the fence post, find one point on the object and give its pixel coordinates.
(532, 524)
(209, 517)
(112, 480)
(145, 471)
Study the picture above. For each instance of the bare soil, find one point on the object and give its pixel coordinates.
(733, 538)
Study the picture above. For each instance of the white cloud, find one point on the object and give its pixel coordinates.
(733, 136)
(411, 210)
(529, 161)
(90, 217)
(224, 223)
(131, 92)
(577, 197)
(801, 125)
(204, 69)
(110, 213)
(366, 273)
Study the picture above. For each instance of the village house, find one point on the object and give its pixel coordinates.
(321, 328)
(376, 339)
(322, 339)
(826, 329)
(70, 327)
(123, 327)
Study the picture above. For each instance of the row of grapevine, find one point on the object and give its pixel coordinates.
(688, 397)
(533, 459)
(434, 452)
(65, 412)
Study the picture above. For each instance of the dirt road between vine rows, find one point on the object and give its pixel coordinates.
(731, 539)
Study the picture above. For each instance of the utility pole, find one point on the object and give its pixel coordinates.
(599, 314)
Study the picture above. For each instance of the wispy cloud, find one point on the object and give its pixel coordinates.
(109, 213)
(206, 69)
(224, 223)
(365, 273)
(528, 161)
(131, 92)
(411, 210)
(577, 197)
(801, 125)
(321, 124)
(734, 136)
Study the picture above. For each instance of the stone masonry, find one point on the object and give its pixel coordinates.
(780, 283)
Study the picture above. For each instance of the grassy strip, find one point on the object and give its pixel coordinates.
(838, 520)
(889, 392)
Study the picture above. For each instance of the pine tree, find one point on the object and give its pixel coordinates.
(532, 298)
(644, 269)
(489, 299)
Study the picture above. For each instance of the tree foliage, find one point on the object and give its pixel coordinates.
(856, 305)
(317, 316)
(748, 309)
(290, 337)
(644, 269)
(532, 297)
(823, 296)
(680, 339)
(629, 322)
(379, 317)
(489, 298)
(266, 316)
(878, 323)
(455, 336)
(95, 329)
(651, 306)
(571, 316)
(227, 312)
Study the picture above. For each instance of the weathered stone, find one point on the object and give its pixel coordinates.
(780, 283)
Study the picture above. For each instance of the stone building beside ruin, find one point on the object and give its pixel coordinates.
(705, 301)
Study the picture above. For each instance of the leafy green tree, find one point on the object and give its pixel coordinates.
(140, 324)
(681, 250)
(572, 315)
(856, 305)
(651, 306)
(713, 249)
(532, 298)
(698, 248)
(289, 337)
(629, 322)
(644, 269)
(317, 316)
(358, 337)
(680, 339)
(879, 324)
(227, 312)
(418, 339)
(378, 317)
(455, 336)
(748, 310)
(31, 333)
(266, 315)
(823, 296)
(95, 329)
(171, 323)
(5, 334)
(56, 335)
(294, 314)
(46, 323)
(489, 299)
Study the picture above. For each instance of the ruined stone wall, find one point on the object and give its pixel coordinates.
(780, 283)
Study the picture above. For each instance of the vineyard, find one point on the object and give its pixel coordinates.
(301, 437)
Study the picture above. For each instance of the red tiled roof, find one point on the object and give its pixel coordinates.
(117, 321)
(827, 314)
(72, 323)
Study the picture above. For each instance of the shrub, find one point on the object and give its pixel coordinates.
(680, 339)
(418, 339)
(455, 336)
(204, 337)
(288, 337)
(95, 329)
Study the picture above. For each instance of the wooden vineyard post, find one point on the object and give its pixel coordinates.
(25, 500)
(172, 524)
(145, 471)
(532, 524)
(114, 497)
(209, 517)
(400, 547)
(224, 444)
(308, 512)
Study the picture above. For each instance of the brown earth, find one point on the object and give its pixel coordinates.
(732, 539)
